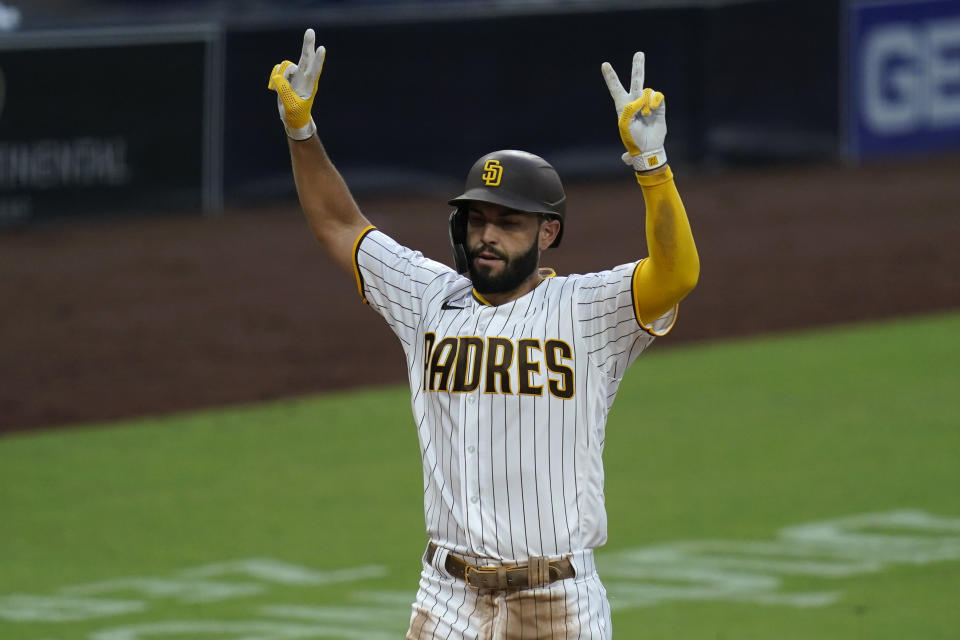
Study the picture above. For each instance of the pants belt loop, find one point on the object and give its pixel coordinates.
(538, 571)
(502, 578)
(439, 561)
(583, 562)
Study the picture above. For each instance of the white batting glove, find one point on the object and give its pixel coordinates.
(296, 87)
(643, 117)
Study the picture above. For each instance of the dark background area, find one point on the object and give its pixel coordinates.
(420, 101)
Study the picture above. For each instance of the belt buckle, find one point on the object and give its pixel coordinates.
(500, 575)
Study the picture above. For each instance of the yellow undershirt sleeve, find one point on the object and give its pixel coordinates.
(662, 280)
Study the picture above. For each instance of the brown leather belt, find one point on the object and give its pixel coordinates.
(539, 571)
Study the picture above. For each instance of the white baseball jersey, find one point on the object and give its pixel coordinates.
(510, 401)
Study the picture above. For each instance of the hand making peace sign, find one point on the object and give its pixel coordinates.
(296, 87)
(642, 117)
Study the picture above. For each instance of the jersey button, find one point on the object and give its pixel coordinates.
(471, 399)
(471, 449)
(474, 499)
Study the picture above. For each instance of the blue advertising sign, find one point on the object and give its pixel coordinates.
(903, 77)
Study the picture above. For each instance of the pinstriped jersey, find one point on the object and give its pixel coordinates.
(510, 401)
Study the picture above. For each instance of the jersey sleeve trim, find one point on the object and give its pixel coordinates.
(356, 261)
(636, 312)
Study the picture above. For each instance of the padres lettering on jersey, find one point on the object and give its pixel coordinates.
(510, 401)
(497, 365)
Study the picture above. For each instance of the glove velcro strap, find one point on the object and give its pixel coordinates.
(646, 160)
(653, 159)
(302, 133)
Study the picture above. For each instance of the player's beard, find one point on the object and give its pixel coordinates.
(516, 269)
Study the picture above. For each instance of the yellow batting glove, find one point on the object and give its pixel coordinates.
(642, 117)
(296, 87)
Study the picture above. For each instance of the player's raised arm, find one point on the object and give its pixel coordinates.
(672, 269)
(330, 209)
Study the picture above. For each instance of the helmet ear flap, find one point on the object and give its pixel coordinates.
(458, 238)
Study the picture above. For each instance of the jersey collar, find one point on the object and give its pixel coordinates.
(544, 273)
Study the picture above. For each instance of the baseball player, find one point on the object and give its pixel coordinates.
(512, 369)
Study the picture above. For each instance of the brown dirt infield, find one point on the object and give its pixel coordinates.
(117, 318)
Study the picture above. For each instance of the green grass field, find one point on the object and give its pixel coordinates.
(303, 518)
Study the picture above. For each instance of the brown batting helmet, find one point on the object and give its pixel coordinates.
(514, 179)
